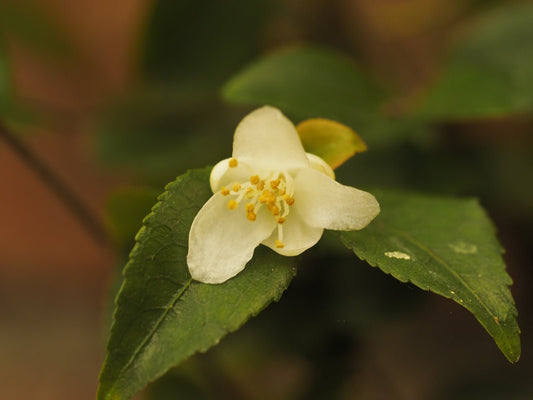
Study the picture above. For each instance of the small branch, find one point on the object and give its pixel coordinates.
(63, 193)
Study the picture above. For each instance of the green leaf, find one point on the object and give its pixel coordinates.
(308, 83)
(489, 73)
(447, 246)
(162, 316)
(330, 140)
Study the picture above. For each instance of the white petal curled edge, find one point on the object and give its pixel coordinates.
(320, 165)
(218, 171)
(266, 139)
(297, 236)
(223, 175)
(222, 241)
(325, 203)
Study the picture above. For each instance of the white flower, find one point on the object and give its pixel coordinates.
(270, 192)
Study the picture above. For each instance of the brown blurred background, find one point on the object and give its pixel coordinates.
(54, 276)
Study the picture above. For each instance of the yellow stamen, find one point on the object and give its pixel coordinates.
(274, 209)
(255, 193)
(233, 162)
(249, 194)
(268, 196)
(289, 199)
(265, 196)
(274, 184)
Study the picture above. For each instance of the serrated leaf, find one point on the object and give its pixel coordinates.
(308, 82)
(489, 73)
(332, 141)
(162, 316)
(447, 246)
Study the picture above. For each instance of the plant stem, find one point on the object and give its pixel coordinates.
(63, 193)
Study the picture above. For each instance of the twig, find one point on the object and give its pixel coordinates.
(63, 193)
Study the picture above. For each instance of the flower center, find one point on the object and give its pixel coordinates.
(273, 192)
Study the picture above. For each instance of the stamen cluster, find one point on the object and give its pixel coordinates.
(274, 192)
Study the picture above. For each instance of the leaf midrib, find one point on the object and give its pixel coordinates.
(155, 327)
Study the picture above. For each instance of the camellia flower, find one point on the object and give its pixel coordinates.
(270, 192)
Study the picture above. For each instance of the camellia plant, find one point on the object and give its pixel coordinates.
(342, 166)
(186, 286)
(224, 242)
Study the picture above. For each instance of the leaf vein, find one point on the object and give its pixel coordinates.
(157, 324)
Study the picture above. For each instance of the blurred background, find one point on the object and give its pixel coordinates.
(102, 103)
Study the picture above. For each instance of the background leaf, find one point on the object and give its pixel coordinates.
(162, 316)
(489, 73)
(447, 246)
(308, 82)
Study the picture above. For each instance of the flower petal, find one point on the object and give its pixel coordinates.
(223, 175)
(218, 171)
(324, 203)
(222, 241)
(297, 236)
(266, 139)
(320, 165)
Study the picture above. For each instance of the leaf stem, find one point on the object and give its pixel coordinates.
(59, 188)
